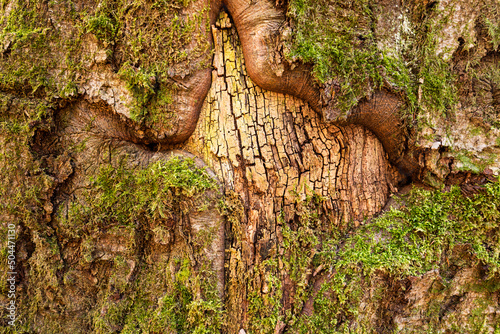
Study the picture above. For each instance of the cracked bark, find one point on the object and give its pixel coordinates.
(259, 23)
(272, 150)
(269, 150)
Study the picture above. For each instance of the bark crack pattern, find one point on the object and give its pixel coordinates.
(272, 150)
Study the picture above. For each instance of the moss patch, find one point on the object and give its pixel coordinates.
(152, 42)
(126, 197)
(339, 40)
(161, 301)
(147, 42)
(425, 234)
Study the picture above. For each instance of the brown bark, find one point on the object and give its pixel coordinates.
(258, 24)
(271, 151)
(273, 154)
(191, 88)
(288, 166)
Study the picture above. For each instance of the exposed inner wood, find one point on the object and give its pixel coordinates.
(272, 150)
(258, 23)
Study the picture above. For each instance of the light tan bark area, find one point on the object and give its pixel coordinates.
(273, 150)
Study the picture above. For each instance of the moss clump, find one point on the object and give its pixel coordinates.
(24, 184)
(466, 161)
(147, 94)
(301, 240)
(327, 36)
(266, 310)
(152, 43)
(338, 38)
(410, 241)
(104, 22)
(127, 196)
(434, 83)
(39, 59)
(25, 191)
(45, 49)
(160, 300)
(142, 86)
(26, 28)
(124, 277)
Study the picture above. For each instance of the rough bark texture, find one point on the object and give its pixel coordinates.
(155, 189)
(104, 266)
(272, 151)
(259, 24)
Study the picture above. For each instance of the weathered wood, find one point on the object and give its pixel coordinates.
(272, 151)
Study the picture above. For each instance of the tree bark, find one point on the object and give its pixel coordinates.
(231, 218)
(271, 152)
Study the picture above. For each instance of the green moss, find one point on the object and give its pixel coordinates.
(232, 208)
(148, 42)
(414, 240)
(123, 199)
(23, 29)
(439, 93)
(23, 185)
(491, 19)
(424, 234)
(150, 39)
(141, 84)
(300, 244)
(471, 163)
(156, 43)
(490, 285)
(124, 196)
(434, 76)
(265, 310)
(432, 81)
(478, 318)
(104, 23)
(42, 62)
(338, 40)
(39, 59)
(411, 240)
(23, 189)
(301, 240)
(187, 302)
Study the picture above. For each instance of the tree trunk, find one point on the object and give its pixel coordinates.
(187, 167)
